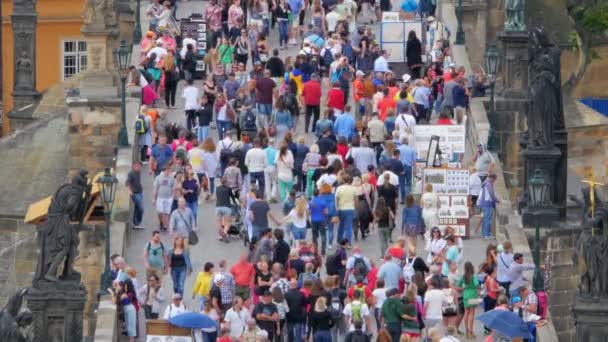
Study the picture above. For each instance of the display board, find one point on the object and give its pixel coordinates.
(196, 27)
(393, 35)
(452, 188)
(451, 139)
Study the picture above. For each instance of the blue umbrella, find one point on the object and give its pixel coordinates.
(506, 323)
(192, 320)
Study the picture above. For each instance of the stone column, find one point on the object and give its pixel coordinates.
(24, 20)
(515, 63)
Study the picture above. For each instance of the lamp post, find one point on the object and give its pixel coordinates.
(540, 191)
(107, 185)
(122, 59)
(459, 31)
(492, 59)
(137, 30)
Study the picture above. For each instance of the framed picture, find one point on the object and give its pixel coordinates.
(202, 45)
(202, 36)
(202, 27)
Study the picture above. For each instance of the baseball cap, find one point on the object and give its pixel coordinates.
(406, 78)
(359, 73)
(177, 296)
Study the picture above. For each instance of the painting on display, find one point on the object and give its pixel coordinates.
(451, 139)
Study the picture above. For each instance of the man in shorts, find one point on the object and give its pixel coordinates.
(223, 208)
(264, 92)
(163, 196)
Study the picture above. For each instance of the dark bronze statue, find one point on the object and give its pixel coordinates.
(58, 239)
(545, 115)
(592, 249)
(15, 318)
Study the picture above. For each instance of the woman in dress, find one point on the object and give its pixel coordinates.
(210, 89)
(429, 201)
(365, 202)
(412, 224)
(469, 285)
(434, 246)
(284, 162)
(414, 54)
(242, 50)
(318, 16)
(179, 264)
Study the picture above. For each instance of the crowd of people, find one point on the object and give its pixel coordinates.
(346, 170)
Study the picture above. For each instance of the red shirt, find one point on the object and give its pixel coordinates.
(335, 99)
(396, 252)
(444, 121)
(243, 273)
(392, 91)
(384, 105)
(311, 92)
(373, 180)
(351, 291)
(343, 151)
(181, 142)
(372, 277)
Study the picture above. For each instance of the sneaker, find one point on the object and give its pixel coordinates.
(138, 227)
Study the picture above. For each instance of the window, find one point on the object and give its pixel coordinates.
(74, 57)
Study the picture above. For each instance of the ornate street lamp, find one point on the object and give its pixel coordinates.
(107, 185)
(539, 189)
(137, 30)
(459, 31)
(492, 59)
(122, 59)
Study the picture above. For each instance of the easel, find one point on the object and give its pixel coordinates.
(592, 183)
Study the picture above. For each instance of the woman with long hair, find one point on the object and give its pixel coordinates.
(210, 89)
(211, 161)
(365, 202)
(429, 201)
(382, 216)
(469, 285)
(320, 321)
(179, 264)
(191, 190)
(122, 301)
(410, 326)
(278, 299)
(309, 165)
(434, 247)
(171, 78)
(412, 224)
(298, 217)
(282, 120)
(284, 161)
(414, 54)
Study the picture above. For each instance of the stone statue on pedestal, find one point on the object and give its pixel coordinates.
(23, 72)
(545, 114)
(58, 239)
(515, 18)
(100, 13)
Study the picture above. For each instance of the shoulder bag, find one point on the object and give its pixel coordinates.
(192, 236)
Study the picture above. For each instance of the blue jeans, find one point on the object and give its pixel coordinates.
(330, 232)
(202, 132)
(345, 230)
(488, 215)
(223, 127)
(209, 336)
(298, 233)
(283, 32)
(295, 332)
(194, 207)
(178, 275)
(138, 210)
(265, 108)
(322, 336)
(259, 178)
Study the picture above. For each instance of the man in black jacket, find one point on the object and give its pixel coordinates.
(296, 317)
(189, 62)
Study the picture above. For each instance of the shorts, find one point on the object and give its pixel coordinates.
(261, 121)
(223, 211)
(163, 205)
(264, 108)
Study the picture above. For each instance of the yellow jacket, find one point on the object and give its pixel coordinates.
(202, 285)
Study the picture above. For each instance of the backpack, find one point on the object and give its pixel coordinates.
(328, 58)
(358, 336)
(140, 125)
(249, 122)
(225, 154)
(355, 309)
(331, 264)
(180, 150)
(360, 267)
(408, 270)
(360, 291)
(149, 247)
(336, 308)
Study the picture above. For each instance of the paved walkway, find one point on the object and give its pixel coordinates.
(209, 248)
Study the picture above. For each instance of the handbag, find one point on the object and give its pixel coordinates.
(474, 301)
(192, 238)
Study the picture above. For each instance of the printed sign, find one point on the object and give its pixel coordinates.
(451, 139)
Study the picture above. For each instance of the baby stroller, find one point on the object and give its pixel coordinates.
(237, 228)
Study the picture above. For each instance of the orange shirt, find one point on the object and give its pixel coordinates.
(243, 273)
(358, 92)
(392, 91)
(384, 105)
(153, 114)
(369, 89)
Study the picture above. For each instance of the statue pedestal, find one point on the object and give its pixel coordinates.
(57, 309)
(545, 159)
(99, 79)
(591, 318)
(515, 66)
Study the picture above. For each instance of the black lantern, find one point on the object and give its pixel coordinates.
(539, 189)
(122, 59)
(459, 30)
(492, 60)
(107, 187)
(137, 30)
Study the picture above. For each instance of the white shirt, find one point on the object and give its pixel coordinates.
(185, 43)
(172, 311)
(237, 321)
(332, 19)
(256, 160)
(159, 51)
(434, 246)
(327, 178)
(285, 166)
(474, 184)
(191, 96)
(433, 302)
(381, 65)
(195, 156)
(348, 311)
(298, 222)
(379, 296)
